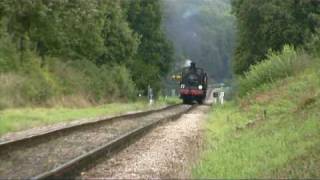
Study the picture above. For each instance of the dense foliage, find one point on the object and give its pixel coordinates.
(262, 133)
(277, 66)
(155, 53)
(99, 50)
(202, 31)
(264, 25)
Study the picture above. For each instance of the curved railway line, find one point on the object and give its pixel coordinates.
(64, 151)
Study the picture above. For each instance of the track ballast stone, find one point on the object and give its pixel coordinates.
(34, 159)
(166, 152)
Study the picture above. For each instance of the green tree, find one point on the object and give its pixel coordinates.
(69, 29)
(202, 31)
(264, 25)
(73, 29)
(120, 42)
(93, 39)
(155, 53)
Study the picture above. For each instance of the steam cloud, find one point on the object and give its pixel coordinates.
(203, 31)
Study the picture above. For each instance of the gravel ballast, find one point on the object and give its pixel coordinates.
(13, 136)
(168, 151)
(33, 159)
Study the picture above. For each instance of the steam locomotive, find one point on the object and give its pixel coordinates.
(193, 84)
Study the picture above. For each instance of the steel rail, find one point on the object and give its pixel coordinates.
(78, 163)
(27, 139)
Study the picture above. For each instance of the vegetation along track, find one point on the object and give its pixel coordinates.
(59, 151)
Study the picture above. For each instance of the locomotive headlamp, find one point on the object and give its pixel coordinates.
(200, 87)
(182, 86)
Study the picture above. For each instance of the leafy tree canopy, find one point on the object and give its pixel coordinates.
(104, 32)
(155, 53)
(264, 25)
(203, 31)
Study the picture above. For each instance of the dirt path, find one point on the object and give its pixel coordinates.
(166, 152)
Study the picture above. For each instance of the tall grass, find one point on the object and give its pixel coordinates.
(273, 135)
(10, 91)
(18, 119)
(80, 81)
(276, 66)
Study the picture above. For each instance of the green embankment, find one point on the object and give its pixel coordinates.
(12, 120)
(72, 53)
(272, 132)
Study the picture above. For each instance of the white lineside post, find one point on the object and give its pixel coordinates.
(221, 97)
(150, 95)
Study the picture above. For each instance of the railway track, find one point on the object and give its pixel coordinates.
(61, 152)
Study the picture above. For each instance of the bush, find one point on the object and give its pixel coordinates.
(39, 85)
(313, 46)
(123, 79)
(276, 66)
(10, 90)
(30, 85)
(38, 89)
(8, 53)
(33, 83)
(98, 83)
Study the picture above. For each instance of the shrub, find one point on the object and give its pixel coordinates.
(99, 83)
(10, 90)
(123, 79)
(8, 53)
(36, 84)
(276, 66)
(70, 80)
(28, 84)
(39, 85)
(313, 46)
(116, 82)
(38, 89)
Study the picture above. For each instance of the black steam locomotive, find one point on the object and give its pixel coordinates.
(193, 84)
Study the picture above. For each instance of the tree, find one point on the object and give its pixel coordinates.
(120, 42)
(264, 25)
(75, 29)
(109, 33)
(155, 52)
(202, 31)
(69, 29)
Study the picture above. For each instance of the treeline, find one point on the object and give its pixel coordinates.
(98, 50)
(265, 26)
(204, 32)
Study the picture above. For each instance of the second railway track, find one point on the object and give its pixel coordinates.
(50, 154)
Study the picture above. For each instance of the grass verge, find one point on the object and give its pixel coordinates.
(272, 133)
(12, 120)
